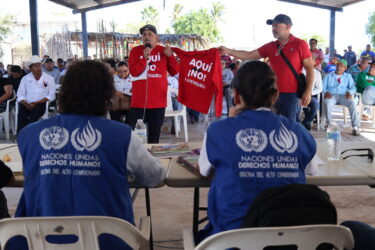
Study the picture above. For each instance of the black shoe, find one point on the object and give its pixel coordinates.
(192, 120)
(307, 126)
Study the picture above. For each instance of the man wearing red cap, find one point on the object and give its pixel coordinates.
(296, 51)
(148, 65)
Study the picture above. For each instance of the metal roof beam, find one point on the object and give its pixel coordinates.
(314, 5)
(101, 6)
(71, 6)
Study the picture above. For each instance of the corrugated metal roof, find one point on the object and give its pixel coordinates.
(86, 5)
(325, 4)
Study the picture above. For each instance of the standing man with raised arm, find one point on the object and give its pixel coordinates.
(148, 65)
(298, 53)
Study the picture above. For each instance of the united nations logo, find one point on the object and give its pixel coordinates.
(251, 139)
(53, 137)
(86, 138)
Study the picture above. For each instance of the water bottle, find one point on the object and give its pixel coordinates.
(333, 140)
(141, 130)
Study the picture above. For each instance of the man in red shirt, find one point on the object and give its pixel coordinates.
(299, 55)
(148, 65)
(318, 54)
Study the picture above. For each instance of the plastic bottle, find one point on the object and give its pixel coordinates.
(333, 140)
(141, 130)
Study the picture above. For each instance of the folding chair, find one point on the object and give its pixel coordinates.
(304, 237)
(86, 228)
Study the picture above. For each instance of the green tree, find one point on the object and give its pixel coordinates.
(197, 22)
(7, 22)
(150, 15)
(217, 12)
(370, 28)
(176, 11)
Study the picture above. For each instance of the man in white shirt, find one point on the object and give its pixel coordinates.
(36, 88)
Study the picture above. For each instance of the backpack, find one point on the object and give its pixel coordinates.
(291, 205)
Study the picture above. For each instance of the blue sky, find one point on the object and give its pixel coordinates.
(244, 21)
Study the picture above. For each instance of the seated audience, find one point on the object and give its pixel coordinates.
(368, 52)
(313, 107)
(60, 65)
(54, 150)
(339, 88)
(350, 56)
(123, 86)
(250, 151)
(362, 66)
(6, 92)
(227, 77)
(16, 74)
(6, 179)
(36, 88)
(366, 85)
(49, 68)
(331, 66)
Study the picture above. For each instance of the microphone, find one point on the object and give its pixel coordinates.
(148, 45)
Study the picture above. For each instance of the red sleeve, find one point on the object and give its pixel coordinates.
(265, 50)
(172, 65)
(304, 50)
(136, 64)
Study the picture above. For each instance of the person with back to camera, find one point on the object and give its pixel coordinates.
(77, 163)
(252, 150)
(148, 65)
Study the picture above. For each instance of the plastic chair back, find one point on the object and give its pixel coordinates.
(304, 237)
(87, 228)
(169, 112)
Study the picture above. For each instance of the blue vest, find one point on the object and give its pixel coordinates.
(75, 165)
(251, 152)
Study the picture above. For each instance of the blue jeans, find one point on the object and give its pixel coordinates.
(287, 105)
(310, 111)
(328, 104)
(368, 96)
(364, 235)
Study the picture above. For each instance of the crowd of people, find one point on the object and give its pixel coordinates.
(84, 159)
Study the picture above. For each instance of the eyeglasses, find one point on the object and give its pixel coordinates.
(370, 153)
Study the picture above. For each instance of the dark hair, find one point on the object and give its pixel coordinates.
(122, 63)
(16, 69)
(60, 60)
(313, 39)
(255, 82)
(111, 63)
(86, 89)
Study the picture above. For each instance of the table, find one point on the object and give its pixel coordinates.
(332, 173)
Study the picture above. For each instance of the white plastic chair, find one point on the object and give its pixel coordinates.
(6, 116)
(169, 112)
(87, 228)
(362, 108)
(345, 110)
(304, 237)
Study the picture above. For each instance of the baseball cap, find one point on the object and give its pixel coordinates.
(280, 18)
(48, 60)
(148, 27)
(343, 61)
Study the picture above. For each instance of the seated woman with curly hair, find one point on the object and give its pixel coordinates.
(254, 149)
(78, 162)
